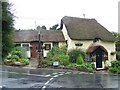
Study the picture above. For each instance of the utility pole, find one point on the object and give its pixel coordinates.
(39, 50)
(84, 15)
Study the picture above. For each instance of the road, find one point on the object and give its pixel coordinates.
(42, 79)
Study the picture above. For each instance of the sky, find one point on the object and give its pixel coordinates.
(31, 13)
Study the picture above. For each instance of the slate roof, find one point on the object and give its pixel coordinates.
(32, 35)
(86, 29)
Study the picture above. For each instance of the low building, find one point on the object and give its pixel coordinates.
(30, 40)
(91, 37)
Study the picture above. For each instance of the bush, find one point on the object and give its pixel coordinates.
(25, 61)
(49, 63)
(115, 63)
(88, 67)
(44, 62)
(80, 59)
(18, 54)
(71, 66)
(115, 67)
(58, 54)
(64, 59)
(74, 53)
(21, 52)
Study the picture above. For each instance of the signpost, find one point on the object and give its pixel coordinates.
(39, 51)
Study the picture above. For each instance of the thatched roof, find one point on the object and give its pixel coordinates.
(32, 35)
(86, 29)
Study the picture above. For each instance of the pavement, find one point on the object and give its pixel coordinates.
(33, 64)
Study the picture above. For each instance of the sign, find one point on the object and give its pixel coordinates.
(56, 63)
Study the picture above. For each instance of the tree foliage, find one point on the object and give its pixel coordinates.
(44, 27)
(74, 54)
(54, 27)
(7, 29)
(117, 35)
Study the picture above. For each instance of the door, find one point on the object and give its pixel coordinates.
(34, 49)
(99, 58)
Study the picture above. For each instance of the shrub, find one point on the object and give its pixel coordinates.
(44, 62)
(64, 59)
(58, 54)
(74, 53)
(70, 66)
(80, 59)
(18, 54)
(25, 61)
(85, 67)
(115, 67)
(115, 63)
(49, 63)
(15, 57)
(21, 52)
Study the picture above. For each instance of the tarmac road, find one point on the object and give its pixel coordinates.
(43, 79)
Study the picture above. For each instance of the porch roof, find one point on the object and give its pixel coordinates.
(95, 46)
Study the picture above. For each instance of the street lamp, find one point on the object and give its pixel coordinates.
(39, 50)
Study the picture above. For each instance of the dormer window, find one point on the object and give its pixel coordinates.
(78, 44)
(96, 40)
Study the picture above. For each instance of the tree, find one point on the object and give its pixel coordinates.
(38, 27)
(7, 29)
(54, 27)
(117, 44)
(44, 27)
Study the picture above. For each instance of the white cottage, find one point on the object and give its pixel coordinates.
(90, 36)
(30, 40)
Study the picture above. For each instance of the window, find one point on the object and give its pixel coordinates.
(79, 44)
(26, 46)
(55, 43)
(96, 39)
(47, 46)
(16, 45)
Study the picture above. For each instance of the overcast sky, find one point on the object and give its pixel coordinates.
(31, 13)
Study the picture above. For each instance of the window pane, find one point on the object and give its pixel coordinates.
(55, 43)
(26, 46)
(16, 45)
(47, 46)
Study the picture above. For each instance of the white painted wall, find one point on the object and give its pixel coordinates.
(46, 51)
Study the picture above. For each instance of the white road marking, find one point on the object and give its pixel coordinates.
(43, 87)
(47, 75)
(56, 76)
(51, 79)
(54, 73)
(67, 72)
(47, 82)
(61, 74)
